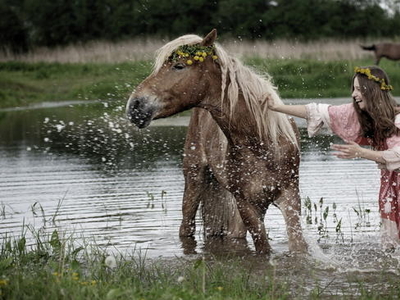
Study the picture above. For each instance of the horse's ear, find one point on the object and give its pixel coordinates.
(210, 38)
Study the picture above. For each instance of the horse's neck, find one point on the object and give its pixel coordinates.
(240, 126)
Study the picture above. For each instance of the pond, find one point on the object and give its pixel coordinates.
(81, 168)
(86, 168)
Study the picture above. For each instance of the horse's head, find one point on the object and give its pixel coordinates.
(184, 75)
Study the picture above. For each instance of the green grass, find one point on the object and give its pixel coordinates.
(26, 83)
(55, 266)
(44, 263)
(318, 79)
(22, 83)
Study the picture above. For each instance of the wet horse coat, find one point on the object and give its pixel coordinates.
(388, 50)
(239, 157)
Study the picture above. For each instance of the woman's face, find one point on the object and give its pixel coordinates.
(357, 95)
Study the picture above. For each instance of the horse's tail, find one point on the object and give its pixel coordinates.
(369, 48)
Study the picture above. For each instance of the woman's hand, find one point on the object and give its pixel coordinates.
(270, 102)
(349, 150)
(294, 110)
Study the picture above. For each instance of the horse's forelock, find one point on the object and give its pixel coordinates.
(165, 51)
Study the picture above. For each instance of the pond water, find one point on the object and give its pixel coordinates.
(81, 168)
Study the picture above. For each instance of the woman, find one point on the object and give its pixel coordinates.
(370, 120)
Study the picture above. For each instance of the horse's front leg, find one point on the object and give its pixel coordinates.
(289, 202)
(253, 218)
(190, 205)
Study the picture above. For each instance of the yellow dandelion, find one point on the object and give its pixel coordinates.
(196, 57)
(201, 59)
(198, 53)
(204, 54)
(189, 62)
(220, 288)
(214, 57)
(3, 282)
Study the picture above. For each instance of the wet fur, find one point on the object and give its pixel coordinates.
(239, 157)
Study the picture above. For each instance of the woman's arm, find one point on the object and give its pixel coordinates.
(353, 150)
(294, 110)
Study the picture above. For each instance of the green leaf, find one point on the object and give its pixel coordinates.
(198, 263)
(326, 212)
(21, 244)
(5, 263)
(55, 241)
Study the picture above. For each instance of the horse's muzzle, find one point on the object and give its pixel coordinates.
(139, 112)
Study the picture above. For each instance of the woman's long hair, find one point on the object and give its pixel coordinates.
(377, 118)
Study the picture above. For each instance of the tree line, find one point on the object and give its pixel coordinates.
(30, 23)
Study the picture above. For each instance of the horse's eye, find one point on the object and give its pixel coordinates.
(179, 66)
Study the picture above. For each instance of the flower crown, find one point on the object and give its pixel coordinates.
(381, 81)
(193, 52)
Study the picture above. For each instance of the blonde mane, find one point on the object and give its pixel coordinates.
(253, 86)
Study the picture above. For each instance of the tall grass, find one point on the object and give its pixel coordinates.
(143, 49)
(109, 71)
(54, 267)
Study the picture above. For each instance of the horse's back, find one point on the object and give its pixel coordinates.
(389, 50)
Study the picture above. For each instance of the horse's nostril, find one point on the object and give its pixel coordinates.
(135, 104)
(139, 112)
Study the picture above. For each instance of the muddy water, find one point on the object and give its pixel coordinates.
(84, 170)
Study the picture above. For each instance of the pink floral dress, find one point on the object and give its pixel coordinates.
(342, 121)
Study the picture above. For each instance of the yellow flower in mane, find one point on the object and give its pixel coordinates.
(381, 81)
(197, 52)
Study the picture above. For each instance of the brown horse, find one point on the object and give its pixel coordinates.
(388, 50)
(239, 157)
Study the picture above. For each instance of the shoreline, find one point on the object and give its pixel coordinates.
(181, 120)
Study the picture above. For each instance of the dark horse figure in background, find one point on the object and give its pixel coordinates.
(239, 157)
(388, 50)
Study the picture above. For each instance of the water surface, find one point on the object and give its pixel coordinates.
(83, 170)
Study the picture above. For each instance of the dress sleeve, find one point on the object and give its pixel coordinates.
(344, 122)
(392, 155)
(317, 117)
(340, 119)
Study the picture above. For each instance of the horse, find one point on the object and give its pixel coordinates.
(239, 157)
(388, 50)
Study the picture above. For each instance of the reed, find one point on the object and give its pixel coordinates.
(322, 218)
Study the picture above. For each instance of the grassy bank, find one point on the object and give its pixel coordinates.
(54, 266)
(26, 83)
(23, 83)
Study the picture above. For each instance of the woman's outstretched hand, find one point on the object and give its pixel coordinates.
(349, 150)
(270, 102)
(293, 110)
